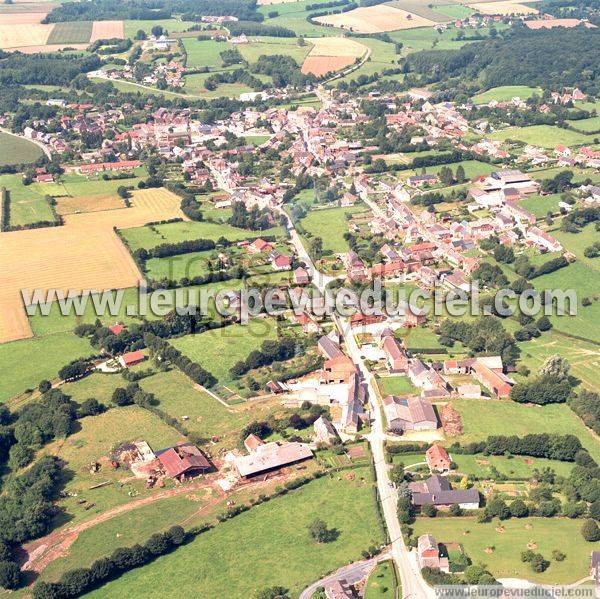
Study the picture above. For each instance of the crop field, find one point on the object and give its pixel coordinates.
(218, 350)
(204, 53)
(546, 136)
(274, 45)
(375, 19)
(25, 34)
(504, 561)
(22, 18)
(506, 93)
(256, 540)
(503, 8)
(171, 25)
(150, 237)
(75, 32)
(330, 54)
(422, 9)
(83, 254)
(94, 203)
(106, 30)
(482, 418)
(330, 224)
(26, 362)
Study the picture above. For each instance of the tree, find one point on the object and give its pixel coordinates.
(273, 593)
(460, 174)
(590, 531)
(44, 386)
(429, 510)
(120, 397)
(538, 563)
(555, 366)
(157, 30)
(455, 510)
(140, 35)
(319, 532)
(10, 575)
(397, 473)
(543, 323)
(518, 509)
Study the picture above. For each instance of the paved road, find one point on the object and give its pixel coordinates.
(413, 585)
(352, 573)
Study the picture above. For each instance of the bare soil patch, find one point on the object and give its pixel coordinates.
(105, 30)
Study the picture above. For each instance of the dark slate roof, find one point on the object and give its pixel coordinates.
(436, 490)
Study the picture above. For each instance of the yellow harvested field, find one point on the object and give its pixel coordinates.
(503, 8)
(24, 34)
(93, 203)
(269, 2)
(47, 48)
(336, 46)
(84, 253)
(22, 18)
(330, 54)
(106, 30)
(375, 19)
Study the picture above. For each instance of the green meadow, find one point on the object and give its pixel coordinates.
(255, 542)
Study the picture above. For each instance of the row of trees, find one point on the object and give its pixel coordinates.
(164, 351)
(270, 351)
(75, 583)
(565, 448)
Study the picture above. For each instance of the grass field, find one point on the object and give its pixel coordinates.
(421, 8)
(218, 350)
(504, 562)
(26, 362)
(150, 237)
(171, 25)
(330, 224)
(194, 84)
(381, 583)
(206, 416)
(205, 53)
(546, 136)
(583, 357)
(176, 267)
(539, 206)
(73, 32)
(395, 385)
(482, 418)
(591, 125)
(265, 45)
(482, 466)
(505, 93)
(473, 168)
(75, 185)
(255, 542)
(16, 150)
(97, 436)
(27, 204)
(293, 16)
